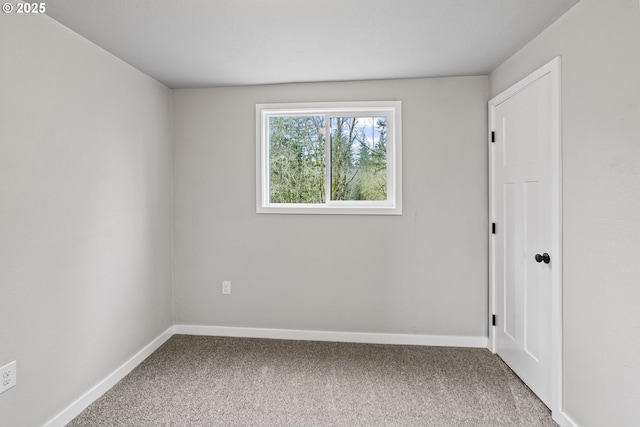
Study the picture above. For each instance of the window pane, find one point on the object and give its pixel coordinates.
(358, 158)
(297, 159)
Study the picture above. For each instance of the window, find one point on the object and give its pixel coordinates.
(329, 158)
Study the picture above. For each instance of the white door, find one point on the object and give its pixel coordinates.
(525, 251)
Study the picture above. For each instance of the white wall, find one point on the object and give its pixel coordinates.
(599, 42)
(85, 214)
(424, 272)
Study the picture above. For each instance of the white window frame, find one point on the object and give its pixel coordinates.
(391, 109)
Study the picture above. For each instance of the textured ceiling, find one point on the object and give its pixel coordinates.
(204, 43)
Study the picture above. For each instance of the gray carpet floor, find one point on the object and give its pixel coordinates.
(218, 381)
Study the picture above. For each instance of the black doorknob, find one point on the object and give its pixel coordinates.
(544, 257)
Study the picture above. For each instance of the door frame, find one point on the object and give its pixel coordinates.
(552, 68)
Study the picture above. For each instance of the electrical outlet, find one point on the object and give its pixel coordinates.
(226, 287)
(8, 376)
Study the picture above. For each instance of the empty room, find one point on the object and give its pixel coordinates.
(345, 213)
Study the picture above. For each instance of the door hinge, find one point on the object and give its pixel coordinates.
(493, 136)
(493, 320)
(493, 228)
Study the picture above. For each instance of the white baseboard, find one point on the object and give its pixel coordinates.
(357, 337)
(563, 419)
(73, 410)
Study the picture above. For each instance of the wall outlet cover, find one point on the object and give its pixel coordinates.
(8, 376)
(226, 287)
